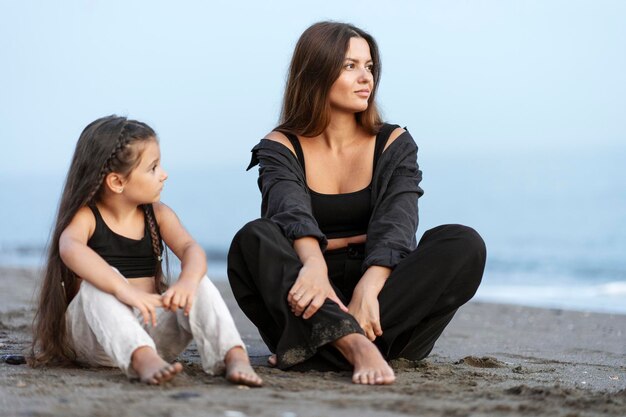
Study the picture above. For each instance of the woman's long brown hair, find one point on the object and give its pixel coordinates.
(316, 63)
(104, 146)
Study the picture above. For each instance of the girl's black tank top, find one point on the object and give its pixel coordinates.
(133, 258)
(347, 214)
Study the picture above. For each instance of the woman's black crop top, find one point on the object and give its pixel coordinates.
(348, 214)
(342, 215)
(133, 258)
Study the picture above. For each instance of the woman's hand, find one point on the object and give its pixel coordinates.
(311, 289)
(365, 309)
(145, 302)
(180, 295)
(364, 303)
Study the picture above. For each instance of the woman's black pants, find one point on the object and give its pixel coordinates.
(416, 303)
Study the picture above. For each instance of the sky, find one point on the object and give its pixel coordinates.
(465, 77)
(518, 108)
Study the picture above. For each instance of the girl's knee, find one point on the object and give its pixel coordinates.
(206, 289)
(88, 290)
(92, 295)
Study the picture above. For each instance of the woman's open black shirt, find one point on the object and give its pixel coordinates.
(395, 191)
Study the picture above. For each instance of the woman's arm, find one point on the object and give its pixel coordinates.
(285, 198)
(391, 232)
(364, 303)
(392, 228)
(193, 259)
(312, 287)
(286, 202)
(90, 266)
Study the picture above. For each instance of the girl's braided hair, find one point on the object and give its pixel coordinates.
(104, 146)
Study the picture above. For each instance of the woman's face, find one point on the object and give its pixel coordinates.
(351, 91)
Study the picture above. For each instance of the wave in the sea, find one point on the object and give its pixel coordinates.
(580, 285)
(608, 297)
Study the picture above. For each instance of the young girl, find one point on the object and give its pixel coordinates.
(104, 300)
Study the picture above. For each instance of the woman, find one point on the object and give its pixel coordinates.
(332, 270)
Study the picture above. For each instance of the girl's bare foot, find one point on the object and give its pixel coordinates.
(272, 360)
(369, 365)
(151, 368)
(238, 369)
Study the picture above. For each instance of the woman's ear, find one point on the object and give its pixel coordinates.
(114, 182)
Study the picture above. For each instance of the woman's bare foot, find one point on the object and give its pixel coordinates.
(272, 360)
(239, 370)
(369, 365)
(151, 368)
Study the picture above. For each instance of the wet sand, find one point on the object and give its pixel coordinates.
(492, 360)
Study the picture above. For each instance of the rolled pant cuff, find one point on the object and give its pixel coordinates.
(322, 333)
(127, 367)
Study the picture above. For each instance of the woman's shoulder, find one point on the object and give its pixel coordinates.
(400, 135)
(394, 132)
(276, 149)
(279, 137)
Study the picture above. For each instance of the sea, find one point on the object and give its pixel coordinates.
(554, 221)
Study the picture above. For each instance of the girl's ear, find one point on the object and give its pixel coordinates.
(114, 182)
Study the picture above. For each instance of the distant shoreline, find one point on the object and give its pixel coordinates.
(601, 297)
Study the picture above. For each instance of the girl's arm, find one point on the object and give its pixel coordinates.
(90, 266)
(193, 260)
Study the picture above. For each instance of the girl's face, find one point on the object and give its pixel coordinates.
(145, 182)
(351, 91)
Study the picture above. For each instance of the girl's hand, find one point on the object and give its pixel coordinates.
(145, 302)
(311, 289)
(365, 309)
(180, 295)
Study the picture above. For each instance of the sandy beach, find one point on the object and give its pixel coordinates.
(493, 360)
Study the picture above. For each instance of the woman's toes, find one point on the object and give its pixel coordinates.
(272, 360)
(378, 377)
(363, 378)
(389, 379)
(372, 377)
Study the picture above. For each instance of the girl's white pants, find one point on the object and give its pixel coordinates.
(105, 332)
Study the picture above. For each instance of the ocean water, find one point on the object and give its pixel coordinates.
(554, 222)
